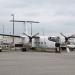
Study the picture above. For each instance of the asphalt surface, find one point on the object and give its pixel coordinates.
(37, 63)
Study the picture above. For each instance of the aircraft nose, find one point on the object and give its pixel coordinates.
(49, 38)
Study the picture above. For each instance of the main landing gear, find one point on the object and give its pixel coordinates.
(57, 45)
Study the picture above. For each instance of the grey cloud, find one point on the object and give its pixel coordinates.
(51, 13)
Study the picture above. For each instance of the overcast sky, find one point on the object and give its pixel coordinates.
(53, 15)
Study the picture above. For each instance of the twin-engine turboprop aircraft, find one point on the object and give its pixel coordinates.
(37, 41)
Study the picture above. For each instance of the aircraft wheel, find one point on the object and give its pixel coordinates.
(0, 50)
(57, 45)
(23, 49)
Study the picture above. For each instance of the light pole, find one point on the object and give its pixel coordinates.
(3, 30)
(24, 27)
(31, 28)
(13, 26)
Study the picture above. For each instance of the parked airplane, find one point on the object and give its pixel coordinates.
(36, 41)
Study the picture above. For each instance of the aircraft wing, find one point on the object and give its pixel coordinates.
(10, 35)
(36, 37)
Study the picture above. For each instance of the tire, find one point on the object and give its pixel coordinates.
(57, 45)
(23, 49)
(0, 50)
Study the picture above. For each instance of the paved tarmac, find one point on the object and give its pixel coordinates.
(37, 63)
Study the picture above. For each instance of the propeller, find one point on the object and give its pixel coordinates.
(66, 40)
(31, 37)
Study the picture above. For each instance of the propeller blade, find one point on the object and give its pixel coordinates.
(66, 38)
(63, 35)
(35, 35)
(72, 36)
(26, 35)
(30, 38)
